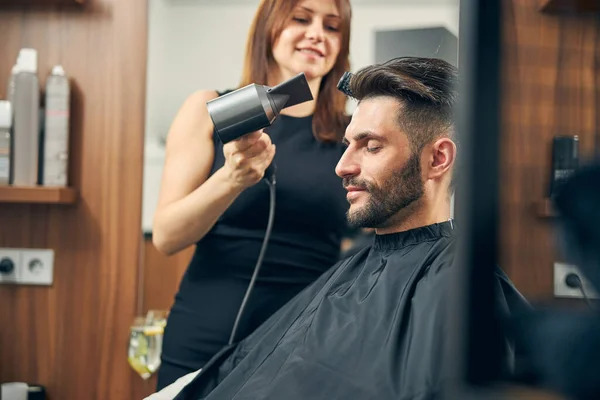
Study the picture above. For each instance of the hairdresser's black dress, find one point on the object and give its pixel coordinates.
(309, 223)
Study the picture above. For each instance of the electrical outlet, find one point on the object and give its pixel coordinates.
(10, 263)
(37, 267)
(26, 266)
(561, 270)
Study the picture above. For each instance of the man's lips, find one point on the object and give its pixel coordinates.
(354, 192)
(355, 189)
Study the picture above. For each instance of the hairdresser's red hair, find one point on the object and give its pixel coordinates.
(330, 119)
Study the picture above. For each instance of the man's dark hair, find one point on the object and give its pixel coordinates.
(425, 88)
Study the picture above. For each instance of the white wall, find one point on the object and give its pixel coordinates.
(194, 45)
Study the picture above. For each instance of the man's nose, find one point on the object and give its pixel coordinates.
(347, 166)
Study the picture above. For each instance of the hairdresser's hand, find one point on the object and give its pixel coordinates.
(247, 158)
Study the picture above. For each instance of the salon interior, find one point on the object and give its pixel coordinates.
(90, 90)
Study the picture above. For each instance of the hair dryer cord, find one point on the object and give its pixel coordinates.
(271, 182)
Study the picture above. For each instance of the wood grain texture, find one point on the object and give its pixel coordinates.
(551, 86)
(72, 337)
(569, 6)
(162, 275)
(45, 195)
(41, 4)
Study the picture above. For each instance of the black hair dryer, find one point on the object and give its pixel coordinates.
(255, 107)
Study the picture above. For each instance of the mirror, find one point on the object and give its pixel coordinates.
(200, 44)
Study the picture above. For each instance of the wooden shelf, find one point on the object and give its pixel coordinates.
(44, 5)
(47, 3)
(38, 195)
(545, 209)
(569, 6)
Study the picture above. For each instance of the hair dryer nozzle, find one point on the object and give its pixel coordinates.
(344, 84)
(290, 93)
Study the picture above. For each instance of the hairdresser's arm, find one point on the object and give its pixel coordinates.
(189, 201)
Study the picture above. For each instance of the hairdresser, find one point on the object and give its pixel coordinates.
(214, 196)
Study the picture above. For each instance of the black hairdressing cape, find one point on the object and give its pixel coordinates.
(371, 327)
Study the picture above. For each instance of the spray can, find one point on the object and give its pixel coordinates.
(10, 89)
(26, 106)
(5, 142)
(56, 132)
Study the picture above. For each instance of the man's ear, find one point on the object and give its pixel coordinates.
(442, 157)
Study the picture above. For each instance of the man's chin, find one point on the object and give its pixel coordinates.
(355, 217)
(366, 217)
(355, 209)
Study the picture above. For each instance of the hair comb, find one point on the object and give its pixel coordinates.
(344, 84)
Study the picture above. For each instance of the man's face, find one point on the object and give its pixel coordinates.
(378, 168)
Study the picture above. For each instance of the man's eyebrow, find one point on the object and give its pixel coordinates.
(365, 135)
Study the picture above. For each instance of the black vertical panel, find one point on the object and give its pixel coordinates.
(475, 350)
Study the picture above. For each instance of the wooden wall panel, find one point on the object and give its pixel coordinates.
(162, 275)
(72, 337)
(551, 87)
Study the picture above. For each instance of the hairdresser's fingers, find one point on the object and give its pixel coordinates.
(251, 158)
(255, 149)
(246, 141)
(267, 157)
(251, 170)
(266, 138)
(238, 160)
(258, 148)
(272, 152)
(232, 148)
(263, 141)
(255, 169)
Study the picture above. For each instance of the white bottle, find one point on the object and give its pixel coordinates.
(5, 142)
(26, 120)
(10, 89)
(56, 132)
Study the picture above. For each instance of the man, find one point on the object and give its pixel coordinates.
(373, 326)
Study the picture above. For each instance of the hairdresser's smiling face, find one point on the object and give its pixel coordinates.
(379, 170)
(310, 41)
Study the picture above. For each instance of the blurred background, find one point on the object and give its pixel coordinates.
(132, 63)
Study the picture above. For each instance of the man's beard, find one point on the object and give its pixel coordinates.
(401, 190)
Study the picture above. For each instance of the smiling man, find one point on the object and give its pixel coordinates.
(374, 325)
